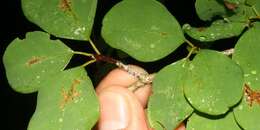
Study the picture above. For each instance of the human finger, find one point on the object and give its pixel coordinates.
(120, 110)
(119, 77)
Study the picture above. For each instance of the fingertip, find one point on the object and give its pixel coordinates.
(181, 127)
(119, 77)
(120, 109)
(114, 109)
(116, 77)
(143, 94)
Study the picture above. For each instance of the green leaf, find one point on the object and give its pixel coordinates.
(207, 9)
(248, 116)
(34, 59)
(214, 83)
(243, 14)
(247, 56)
(167, 105)
(257, 6)
(219, 29)
(198, 122)
(251, 2)
(66, 102)
(144, 29)
(71, 19)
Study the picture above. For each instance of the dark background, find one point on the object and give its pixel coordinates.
(18, 108)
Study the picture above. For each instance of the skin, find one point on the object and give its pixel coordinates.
(120, 108)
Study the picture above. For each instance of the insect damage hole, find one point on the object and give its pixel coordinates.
(71, 94)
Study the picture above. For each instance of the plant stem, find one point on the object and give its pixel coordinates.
(94, 47)
(83, 53)
(190, 52)
(88, 62)
(256, 12)
(189, 43)
(193, 48)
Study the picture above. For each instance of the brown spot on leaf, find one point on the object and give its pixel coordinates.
(200, 29)
(71, 94)
(34, 60)
(230, 6)
(65, 5)
(163, 33)
(251, 95)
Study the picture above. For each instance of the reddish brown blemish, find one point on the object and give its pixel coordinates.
(163, 33)
(230, 6)
(201, 29)
(34, 60)
(251, 95)
(71, 94)
(65, 5)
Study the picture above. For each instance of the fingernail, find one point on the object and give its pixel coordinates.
(114, 111)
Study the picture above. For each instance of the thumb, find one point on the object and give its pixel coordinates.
(120, 110)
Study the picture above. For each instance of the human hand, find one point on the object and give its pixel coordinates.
(120, 108)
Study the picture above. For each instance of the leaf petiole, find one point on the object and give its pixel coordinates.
(190, 43)
(94, 47)
(256, 12)
(88, 62)
(192, 50)
(83, 53)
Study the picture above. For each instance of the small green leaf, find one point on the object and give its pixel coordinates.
(30, 61)
(243, 14)
(66, 102)
(247, 56)
(251, 2)
(214, 83)
(71, 19)
(207, 9)
(198, 122)
(219, 29)
(167, 105)
(144, 29)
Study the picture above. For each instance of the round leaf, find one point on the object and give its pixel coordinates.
(34, 59)
(198, 122)
(71, 19)
(207, 9)
(247, 116)
(218, 30)
(214, 83)
(144, 29)
(246, 55)
(167, 105)
(66, 102)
